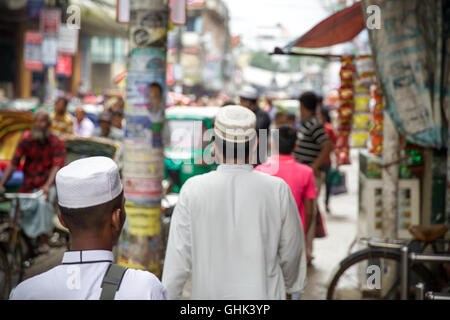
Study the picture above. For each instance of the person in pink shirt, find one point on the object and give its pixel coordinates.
(299, 177)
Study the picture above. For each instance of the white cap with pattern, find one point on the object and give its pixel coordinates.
(235, 124)
(88, 182)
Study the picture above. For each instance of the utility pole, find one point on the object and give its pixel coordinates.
(390, 177)
(143, 160)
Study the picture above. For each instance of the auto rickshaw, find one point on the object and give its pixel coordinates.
(187, 143)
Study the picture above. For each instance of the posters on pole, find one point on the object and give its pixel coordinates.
(50, 51)
(147, 60)
(33, 53)
(146, 93)
(67, 40)
(50, 20)
(148, 28)
(64, 66)
(178, 12)
(123, 11)
(143, 221)
(34, 8)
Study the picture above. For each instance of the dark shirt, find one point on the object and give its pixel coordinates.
(39, 159)
(262, 119)
(262, 122)
(309, 137)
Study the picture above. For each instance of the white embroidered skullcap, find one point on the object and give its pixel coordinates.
(235, 124)
(88, 182)
(248, 92)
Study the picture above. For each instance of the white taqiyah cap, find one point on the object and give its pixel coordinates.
(88, 182)
(235, 124)
(248, 92)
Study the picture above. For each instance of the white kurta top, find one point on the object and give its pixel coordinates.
(238, 232)
(80, 276)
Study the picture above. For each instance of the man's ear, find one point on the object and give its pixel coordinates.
(117, 220)
(61, 220)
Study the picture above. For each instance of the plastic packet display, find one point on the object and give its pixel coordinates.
(361, 121)
(361, 103)
(359, 139)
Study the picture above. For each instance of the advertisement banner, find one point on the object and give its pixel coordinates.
(50, 20)
(67, 40)
(33, 53)
(143, 221)
(146, 94)
(64, 66)
(50, 51)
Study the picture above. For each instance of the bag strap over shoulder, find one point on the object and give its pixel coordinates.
(111, 281)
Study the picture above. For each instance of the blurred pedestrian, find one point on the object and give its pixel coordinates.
(92, 206)
(324, 117)
(299, 177)
(249, 99)
(44, 154)
(82, 126)
(62, 121)
(236, 231)
(105, 129)
(117, 119)
(313, 149)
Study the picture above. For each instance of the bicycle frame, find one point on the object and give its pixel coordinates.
(411, 257)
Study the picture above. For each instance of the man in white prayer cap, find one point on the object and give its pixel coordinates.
(235, 231)
(91, 205)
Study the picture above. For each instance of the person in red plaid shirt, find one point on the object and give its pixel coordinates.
(44, 155)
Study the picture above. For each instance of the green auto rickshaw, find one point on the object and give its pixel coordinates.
(188, 141)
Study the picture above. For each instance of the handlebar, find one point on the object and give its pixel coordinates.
(18, 195)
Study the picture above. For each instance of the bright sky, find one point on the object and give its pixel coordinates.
(297, 16)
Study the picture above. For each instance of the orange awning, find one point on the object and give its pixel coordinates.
(340, 27)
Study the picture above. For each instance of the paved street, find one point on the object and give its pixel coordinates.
(328, 252)
(341, 230)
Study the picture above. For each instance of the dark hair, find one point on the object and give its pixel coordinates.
(235, 147)
(287, 137)
(91, 218)
(309, 100)
(326, 114)
(66, 101)
(252, 101)
(156, 84)
(117, 113)
(291, 116)
(279, 114)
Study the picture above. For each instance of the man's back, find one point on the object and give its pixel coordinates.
(81, 280)
(299, 177)
(235, 228)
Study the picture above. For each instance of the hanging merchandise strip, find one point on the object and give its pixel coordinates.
(346, 108)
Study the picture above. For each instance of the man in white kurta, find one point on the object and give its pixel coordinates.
(237, 232)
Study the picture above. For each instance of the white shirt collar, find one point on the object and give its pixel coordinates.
(226, 167)
(87, 256)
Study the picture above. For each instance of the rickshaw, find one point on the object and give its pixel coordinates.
(18, 249)
(186, 143)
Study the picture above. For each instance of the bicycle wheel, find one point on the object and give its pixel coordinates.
(5, 279)
(374, 273)
(15, 261)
